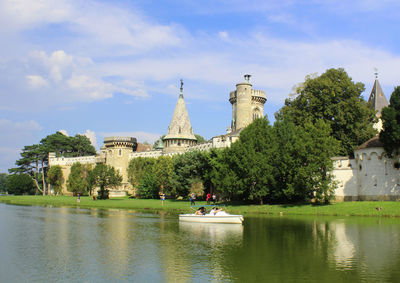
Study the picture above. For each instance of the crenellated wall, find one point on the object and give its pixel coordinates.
(371, 175)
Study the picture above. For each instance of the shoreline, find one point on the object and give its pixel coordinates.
(358, 208)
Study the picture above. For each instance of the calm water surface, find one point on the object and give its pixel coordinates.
(39, 244)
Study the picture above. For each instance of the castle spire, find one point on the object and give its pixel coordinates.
(180, 133)
(377, 98)
(181, 93)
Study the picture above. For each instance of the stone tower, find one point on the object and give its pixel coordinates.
(180, 132)
(377, 101)
(116, 152)
(247, 104)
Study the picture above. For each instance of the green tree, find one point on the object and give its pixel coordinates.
(137, 168)
(390, 135)
(336, 99)
(148, 187)
(188, 169)
(254, 153)
(162, 171)
(55, 178)
(106, 177)
(221, 174)
(34, 158)
(303, 162)
(76, 182)
(200, 139)
(3, 186)
(19, 184)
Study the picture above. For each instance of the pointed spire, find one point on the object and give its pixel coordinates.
(377, 98)
(180, 126)
(181, 93)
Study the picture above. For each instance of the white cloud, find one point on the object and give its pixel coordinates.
(92, 137)
(36, 81)
(42, 80)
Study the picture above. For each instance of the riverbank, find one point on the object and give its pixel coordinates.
(362, 208)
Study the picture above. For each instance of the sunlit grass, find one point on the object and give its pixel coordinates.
(361, 208)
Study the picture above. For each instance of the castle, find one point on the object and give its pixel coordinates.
(370, 175)
(247, 105)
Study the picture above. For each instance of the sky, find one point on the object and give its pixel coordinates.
(113, 68)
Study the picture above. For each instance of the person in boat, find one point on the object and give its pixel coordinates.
(212, 211)
(220, 212)
(201, 211)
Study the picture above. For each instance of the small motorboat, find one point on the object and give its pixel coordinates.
(215, 216)
(227, 218)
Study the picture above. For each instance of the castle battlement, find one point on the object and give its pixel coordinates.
(68, 161)
(120, 142)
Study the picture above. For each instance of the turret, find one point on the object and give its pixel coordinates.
(247, 104)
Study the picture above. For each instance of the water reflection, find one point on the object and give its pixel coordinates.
(216, 234)
(70, 244)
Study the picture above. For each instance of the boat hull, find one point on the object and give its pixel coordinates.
(228, 219)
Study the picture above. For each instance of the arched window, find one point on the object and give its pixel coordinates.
(256, 114)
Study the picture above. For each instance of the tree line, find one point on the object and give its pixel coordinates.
(289, 161)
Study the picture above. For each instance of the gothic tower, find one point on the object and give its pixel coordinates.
(180, 133)
(377, 101)
(247, 104)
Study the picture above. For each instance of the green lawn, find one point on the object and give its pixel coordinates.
(362, 208)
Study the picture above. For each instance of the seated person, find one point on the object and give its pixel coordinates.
(213, 211)
(220, 212)
(201, 211)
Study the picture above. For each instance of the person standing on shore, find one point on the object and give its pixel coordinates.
(214, 198)
(192, 199)
(162, 198)
(208, 198)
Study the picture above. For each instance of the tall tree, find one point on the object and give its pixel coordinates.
(188, 170)
(336, 99)
(76, 182)
(162, 170)
(34, 158)
(255, 152)
(137, 168)
(106, 177)
(390, 135)
(55, 178)
(303, 161)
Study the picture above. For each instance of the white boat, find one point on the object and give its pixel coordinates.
(227, 218)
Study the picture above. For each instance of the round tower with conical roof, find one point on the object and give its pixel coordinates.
(180, 132)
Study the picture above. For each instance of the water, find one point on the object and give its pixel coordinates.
(39, 244)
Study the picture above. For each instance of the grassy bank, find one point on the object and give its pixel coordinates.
(365, 208)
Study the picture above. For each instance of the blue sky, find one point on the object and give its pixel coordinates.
(113, 67)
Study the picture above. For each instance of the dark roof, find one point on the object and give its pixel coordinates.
(374, 142)
(377, 98)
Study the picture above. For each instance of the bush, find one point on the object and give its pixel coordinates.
(20, 184)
